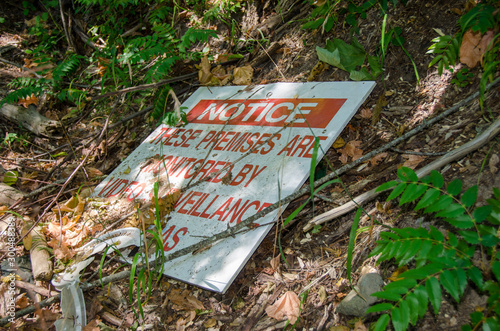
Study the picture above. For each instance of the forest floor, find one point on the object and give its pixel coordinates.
(316, 259)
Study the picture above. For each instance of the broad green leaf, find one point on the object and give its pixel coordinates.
(387, 295)
(470, 236)
(352, 239)
(481, 213)
(462, 221)
(491, 324)
(387, 186)
(313, 24)
(341, 55)
(422, 297)
(469, 197)
(461, 279)
(448, 282)
(379, 307)
(476, 276)
(375, 66)
(434, 293)
(437, 179)
(401, 285)
(495, 267)
(452, 239)
(360, 75)
(407, 174)
(397, 191)
(397, 322)
(429, 197)
(436, 234)
(412, 192)
(382, 322)
(404, 310)
(412, 300)
(452, 210)
(455, 187)
(441, 203)
(10, 177)
(476, 317)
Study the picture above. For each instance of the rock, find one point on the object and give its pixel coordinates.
(353, 304)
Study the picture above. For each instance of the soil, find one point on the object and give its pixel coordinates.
(316, 260)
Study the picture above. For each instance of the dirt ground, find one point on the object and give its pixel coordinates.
(316, 259)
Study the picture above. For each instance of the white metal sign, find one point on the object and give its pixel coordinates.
(224, 124)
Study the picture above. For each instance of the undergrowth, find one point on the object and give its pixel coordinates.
(462, 253)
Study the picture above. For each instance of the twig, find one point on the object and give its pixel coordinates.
(397, 150)
(456, 154)
(21, 67)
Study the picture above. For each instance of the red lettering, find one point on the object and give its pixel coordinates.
(222, 209)
(204, 214)
(290, 146)
(194, 135)
(255, 174)
(304, 144)
(194, 210)
(250, 142)
(240, 177)
(208, 137)
(175, 238)
(308, 152)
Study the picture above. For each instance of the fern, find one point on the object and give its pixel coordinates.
(442, 261)
(447, 48)
(66, 68)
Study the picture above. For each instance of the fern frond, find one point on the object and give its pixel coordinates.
(66, 68)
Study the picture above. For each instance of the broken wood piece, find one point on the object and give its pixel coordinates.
(40, 290)
(30, 119)
(454, 155)
(9, 195)
(41, 264)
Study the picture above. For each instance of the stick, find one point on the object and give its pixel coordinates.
(456, 154)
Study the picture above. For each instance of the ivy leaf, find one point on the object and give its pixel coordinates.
(455, 187)
(434, 292)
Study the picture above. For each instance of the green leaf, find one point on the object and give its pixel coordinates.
(412, 192)
(397, 321)
(382, 322)
(461, 279)
(387, 186)
(451, 211)
(387, 295)
(463, 221)
(455, 187)
(470, 236)
(481, 213)
(404, 311)
(411, 251)
(429, 197)
(476, 276)
(434, 293)
(495, 267)
(449, 283)
(360, 75)
(407, 174)
(423, 253)
(436, 234)
(352, 239)
(491, 324)
(437, 179)
(452, 239)
(401, 285)
(379, 307)
(413, 304)
(341, 55)
(422, 297)
(422, 272)
(10, 177)
(469, 197)
(397, 191)
(441, 203)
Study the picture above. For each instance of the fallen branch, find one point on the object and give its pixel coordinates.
(454, 155)
(30, 119)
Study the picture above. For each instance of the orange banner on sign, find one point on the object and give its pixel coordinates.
(315, 113)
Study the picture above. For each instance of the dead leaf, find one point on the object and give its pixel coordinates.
(493, 164)
(220, 76)
(365, 113)
(31, 100)
(378, 158)
(92, 325)
(243, 75)
(351, 149)
(377, 111)
(473, 47)
(204, 74)
(412, 161)
(185, 300)
(210, 323)
(395, 275)
(359, 326)
(288, 305)
(322, 295)
(275, 262)
(316, 70)
(339, 143)
(22, 301)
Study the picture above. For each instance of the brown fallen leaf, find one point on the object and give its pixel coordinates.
(204, 73)
(377, 111)
(493, 164)
(365, 113)
(473, 47)
(378, 158)
(288, 305)
(395, 275)
(412, 161)
(184, 300)
(339, 143)
(243, 75)
(31, 100)
(359, 326)
(351, 149)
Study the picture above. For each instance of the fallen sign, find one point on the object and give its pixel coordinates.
(273, 126)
